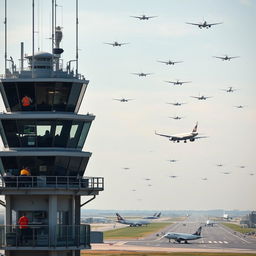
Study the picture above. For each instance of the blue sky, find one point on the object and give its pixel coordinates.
(123, 133)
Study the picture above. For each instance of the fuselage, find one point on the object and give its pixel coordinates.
(184, 136)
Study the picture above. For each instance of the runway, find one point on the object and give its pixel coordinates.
(217, 237)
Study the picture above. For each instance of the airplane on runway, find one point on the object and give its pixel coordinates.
(177, 82)
(123, 100)
(177, 103)
(143, 17)
(201, 97)
(142, 74)
(226, 57)
(226, 216)
(154, 217)
(169, 62)
(192, 136)
(131, 223)
(209, 223)
(116, 44)
(204, 24)
(229, 89)
(179, 237)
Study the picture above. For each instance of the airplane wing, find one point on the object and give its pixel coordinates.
(212, 24)
(137, 17)
(171, 82)
(135, 74)
(163, 135)
(222, 58)
(196, 97)
(234, 57)
(109, 43)
(123, 43)
(177, 61)
(150, 17)
(201, 137)
(117, 99)
(195, 24)
(186, 82)
(165, 62)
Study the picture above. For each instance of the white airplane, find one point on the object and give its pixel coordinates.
(179, 237)
(177, 82)
(176, 103)
(229, 89)
(191, 136)
(204, 24)
(226, 216)
(116, 44)
(154, 217)
(176, 117)
(169, 62)
(142, 74)
(131, 223)
(143, 17)
(209, 223)
(226, 57)
(123, 100)
(201, 97)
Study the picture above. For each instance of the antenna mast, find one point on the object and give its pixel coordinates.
(5, 36)
(33, 36)
(76, 38)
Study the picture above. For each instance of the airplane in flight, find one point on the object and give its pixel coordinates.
(239, 106)
(173, 176)
(176, 117)
(169, 62)
(226, 57)
(229, 89)
(172, 161)
(131, 223)
(185, 237)
(177, 82)
(123, 100)
(143, 17)
(219, 165)
(126, 168)
(142, 74)
(176, 103)
(204, 24)
(251, 174)
(154, 217)
(191, 136)
(226, 173)
(204, 179)
(201, 97)
(116, 44)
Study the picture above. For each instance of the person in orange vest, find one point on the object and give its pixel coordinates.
(25, 172)
(25, 180)
(23, 226)
(26, 101)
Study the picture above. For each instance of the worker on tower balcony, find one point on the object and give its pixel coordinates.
(24, 179)
(23, 227)
(26, 101)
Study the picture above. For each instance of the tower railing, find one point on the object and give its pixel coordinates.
(50, 182)
(42, 236)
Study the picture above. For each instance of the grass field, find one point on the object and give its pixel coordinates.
(135, 232)
(237, 228)
(119, 253)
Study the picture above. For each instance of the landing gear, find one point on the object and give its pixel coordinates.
(185, 141)
(186, 241)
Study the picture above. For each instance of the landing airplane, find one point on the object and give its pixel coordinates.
(179, 237)
(192, 136)
(251, 174)
(240, 106)
(177, 82)
(201, 97)
(226, 57)
(172, 161)
(131, 223)
(154, 217)
(176, 103)
(219, 165)
(229, 89)
(173, 176)
(242, 166)
(169, 62)
(226, 173)
(204, 24)
(126, 168)
(204, 179)
(123, 100)
(116, 44)
(142, 74)
(176, 117)
(143, 17)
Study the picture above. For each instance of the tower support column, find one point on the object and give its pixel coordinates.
(52, 219)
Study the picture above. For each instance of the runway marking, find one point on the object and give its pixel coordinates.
(225, 242)
(209, 242)
(234, 235)
(220, 242)
(120, 243)
(215, 242)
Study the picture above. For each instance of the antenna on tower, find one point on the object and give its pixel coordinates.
(76, 38)
(5, 36)
(33, 36)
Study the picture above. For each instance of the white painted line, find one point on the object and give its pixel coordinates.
(215, 242)
(234, 235)
(220, 242)
(225, 242)
(209, 242)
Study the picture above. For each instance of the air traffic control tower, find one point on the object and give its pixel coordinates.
(43, 134)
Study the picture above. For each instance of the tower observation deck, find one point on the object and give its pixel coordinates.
(42, 165)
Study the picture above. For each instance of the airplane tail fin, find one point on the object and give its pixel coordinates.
(195, 128)
(119, 217)
(155, 214)
(158, 215)
(198, 232)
